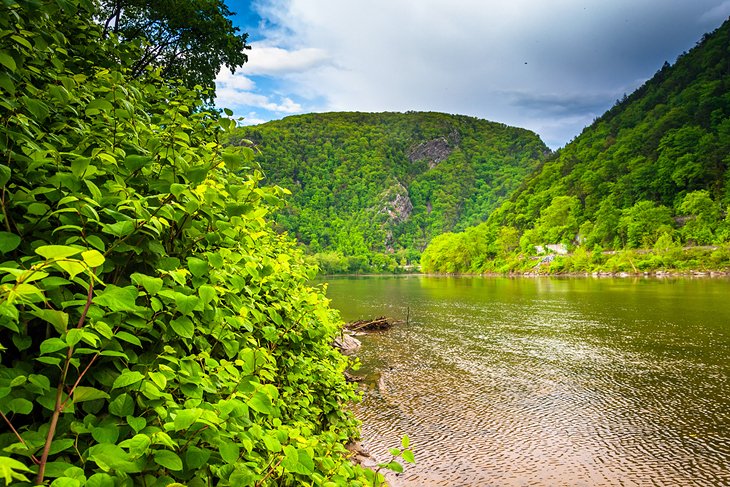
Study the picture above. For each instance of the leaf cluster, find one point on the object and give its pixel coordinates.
(154, 329)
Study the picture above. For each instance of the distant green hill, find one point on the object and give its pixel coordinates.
(653, 167)
(375, 188)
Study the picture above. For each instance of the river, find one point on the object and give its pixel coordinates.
(547, 381)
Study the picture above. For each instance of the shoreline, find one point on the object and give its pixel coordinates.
(658, 274)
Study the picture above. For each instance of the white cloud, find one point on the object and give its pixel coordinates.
(267, 60)
(237, 90)
(232, 98)
(237, 81)
(463, 56)
(252, 118)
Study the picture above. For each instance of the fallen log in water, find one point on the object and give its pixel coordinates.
(377, 324)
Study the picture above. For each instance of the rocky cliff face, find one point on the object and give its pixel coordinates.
(396, 204)
(434, 151)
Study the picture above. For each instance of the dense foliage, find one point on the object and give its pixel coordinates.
(653, 167)
(189, 40)
(375, 188)
(154, 330)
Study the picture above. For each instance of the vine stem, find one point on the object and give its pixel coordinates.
(60, 403)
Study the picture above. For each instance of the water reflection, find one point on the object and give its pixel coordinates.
(548, 381)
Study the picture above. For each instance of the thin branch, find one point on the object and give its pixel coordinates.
(78, 381)
(60, 403)
(271, 470)
(20, 438)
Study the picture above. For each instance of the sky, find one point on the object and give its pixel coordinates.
(551, 66)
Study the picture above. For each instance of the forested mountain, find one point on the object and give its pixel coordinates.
(377, 187)
(654, 166)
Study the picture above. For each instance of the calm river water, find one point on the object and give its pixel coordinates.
(516, 382)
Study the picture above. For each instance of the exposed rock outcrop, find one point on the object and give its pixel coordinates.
(396, 204)
(434, 151)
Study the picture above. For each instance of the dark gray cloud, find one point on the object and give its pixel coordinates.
(551, 67)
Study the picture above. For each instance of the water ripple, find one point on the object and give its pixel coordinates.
(505, 391)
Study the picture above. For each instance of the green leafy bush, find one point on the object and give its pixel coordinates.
(154, 330)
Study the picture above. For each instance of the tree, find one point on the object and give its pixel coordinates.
(643, 223)
(188, 39)
(703, 216)
(558, 223)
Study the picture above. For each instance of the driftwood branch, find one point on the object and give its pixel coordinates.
(376, 324)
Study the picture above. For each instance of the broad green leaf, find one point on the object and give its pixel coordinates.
(405, 441)
(272, 444)
(117, 298)
(19, 406)
(291, 459)
(10, 469)
(137, 424)
(186, 304)
(207, 293)
(36, 107)
(134, 162)
(98, 105)
(198, 267)
(233, 161)
(40, 381)
(122, 405)
(82, 393)
(58, 319)
(197, 174)
(229, 452)
(137, 445)
(186, 418)
(120, 229)
(106, 433)
(93, 258)
(7, 61)
(196, 457)
(111, 457)
(53, 345)
(183, 327)
(72, 267)
(100, 480)
(260, 402)
(56, 469)
(57, 251)
(168, 459)
(66, 482)
(177, 189)
(128, 337)
(8, 241)
(79, 166)
(152, 285)
(57, 446)
(126, 379)
(74, 336)
(306, 462)
(408, 456)
(96, 242)
(159, 379)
